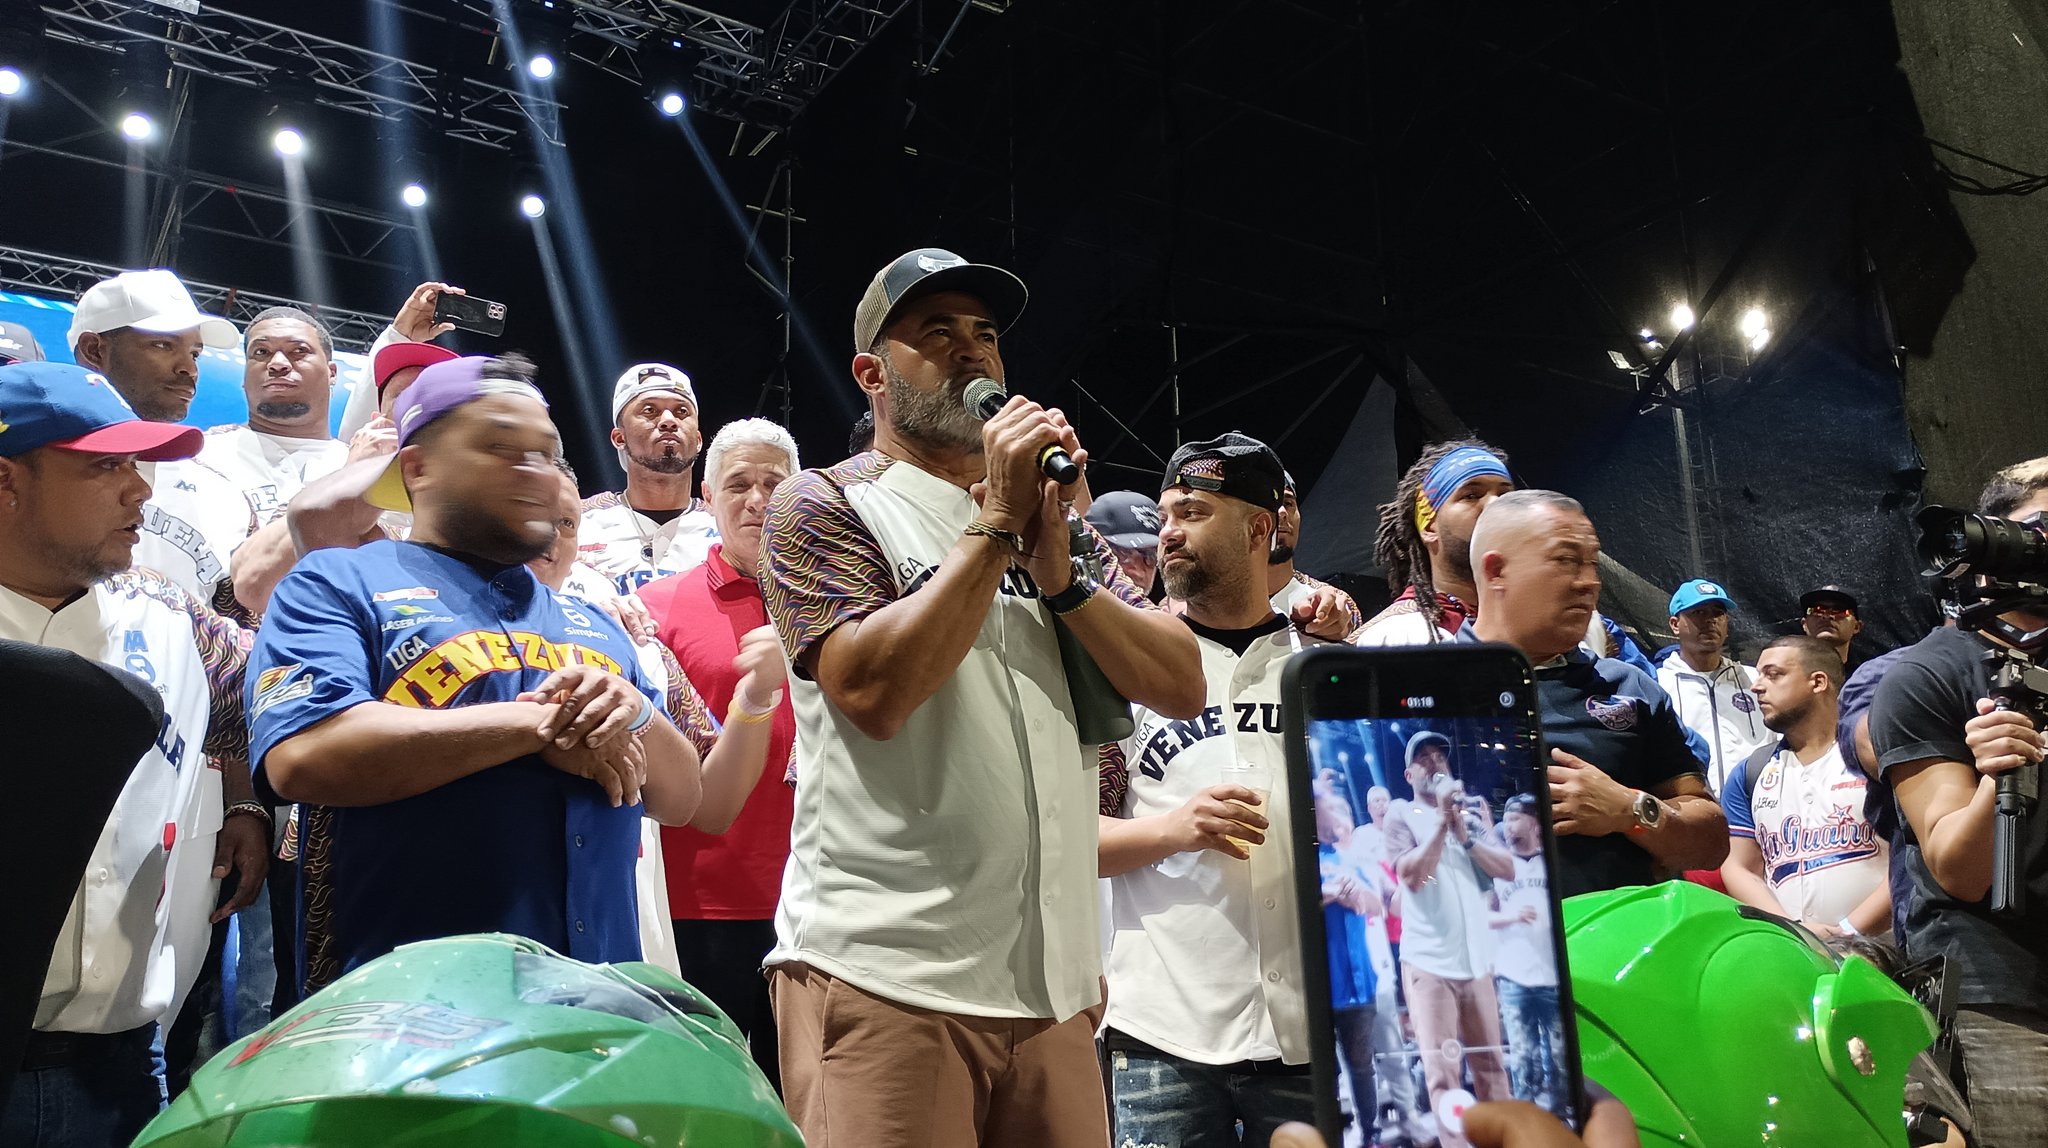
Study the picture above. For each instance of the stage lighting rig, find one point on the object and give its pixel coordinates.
(532, 206)
(22, 48)
(143, 109)
(544, 30)
(413, 195)
(294, 108)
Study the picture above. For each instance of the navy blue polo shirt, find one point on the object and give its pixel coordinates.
(1615, 716)
(519, 848)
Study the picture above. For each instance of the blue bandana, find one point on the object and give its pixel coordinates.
(1451, 472)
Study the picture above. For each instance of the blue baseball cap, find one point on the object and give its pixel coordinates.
(1699, 592)
(439, 389)
(71, 408)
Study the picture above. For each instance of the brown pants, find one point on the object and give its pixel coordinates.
(860, 1070)
(1462, 1017)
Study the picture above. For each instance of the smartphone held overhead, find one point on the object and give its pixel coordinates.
(469, 313)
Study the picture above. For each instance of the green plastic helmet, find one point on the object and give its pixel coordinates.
(1722, 1027)
(485, 1040)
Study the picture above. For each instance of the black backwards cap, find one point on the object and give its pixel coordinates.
(1232, 464)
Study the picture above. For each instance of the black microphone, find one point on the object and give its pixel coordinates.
(986, 396)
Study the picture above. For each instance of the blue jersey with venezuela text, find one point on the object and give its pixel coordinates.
(518, 848)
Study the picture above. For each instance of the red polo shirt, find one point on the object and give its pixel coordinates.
(701, 615)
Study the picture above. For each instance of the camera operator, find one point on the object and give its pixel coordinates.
(1941, 748)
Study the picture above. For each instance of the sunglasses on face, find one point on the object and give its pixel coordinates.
(1829, 612)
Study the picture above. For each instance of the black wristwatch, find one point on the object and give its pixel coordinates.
(1075, 596)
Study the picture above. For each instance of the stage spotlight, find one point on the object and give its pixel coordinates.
(533, 206)
(1753, 320)
(540, 66)
(137, 127)
(1759, 337)
(413, 195)
(671, 103)
(1647, 334)
(1681, 316)
(11, 82)
(288, 142)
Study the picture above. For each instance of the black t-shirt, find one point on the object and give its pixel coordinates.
(1925, 699)
(1615, 716)
(1237, 641)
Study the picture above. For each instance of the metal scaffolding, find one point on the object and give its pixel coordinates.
(763, 77)
(253, 53)
(58, 277)
(237, 209)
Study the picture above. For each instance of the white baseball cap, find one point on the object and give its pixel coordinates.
(650, 378)
(153, 301)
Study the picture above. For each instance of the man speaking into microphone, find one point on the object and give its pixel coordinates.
(936, 960)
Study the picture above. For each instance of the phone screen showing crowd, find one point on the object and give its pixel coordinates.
(1441, 949)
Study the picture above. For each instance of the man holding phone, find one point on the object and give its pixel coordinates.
(1626, 793)
(1207, 1025)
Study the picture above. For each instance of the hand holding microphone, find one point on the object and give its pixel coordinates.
(986, 396)
(1021, 442)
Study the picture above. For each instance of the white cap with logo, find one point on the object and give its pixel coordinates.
(650, 378)
(154, 301)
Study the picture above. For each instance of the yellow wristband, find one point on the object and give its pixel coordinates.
(738, 713)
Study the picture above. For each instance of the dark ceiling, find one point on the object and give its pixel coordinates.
(1285, 198)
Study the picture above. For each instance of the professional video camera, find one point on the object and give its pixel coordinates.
(1993, 567)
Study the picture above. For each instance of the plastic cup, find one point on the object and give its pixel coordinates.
(1258, 779)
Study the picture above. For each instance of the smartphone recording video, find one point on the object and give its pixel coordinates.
(1443, 980)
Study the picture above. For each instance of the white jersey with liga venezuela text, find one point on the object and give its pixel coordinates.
(1205, 951)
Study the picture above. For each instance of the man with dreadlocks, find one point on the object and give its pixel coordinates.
(1425, 542)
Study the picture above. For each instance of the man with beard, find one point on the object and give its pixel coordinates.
(1626, 794)
(472, 749)
(71, 499)
(141, 330)
(1799, 843)
(654, 526)
(1320, 605)
(1206, 1025)
(1425, 543)
(937, 960)
(287, 379)
(1442, 855)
